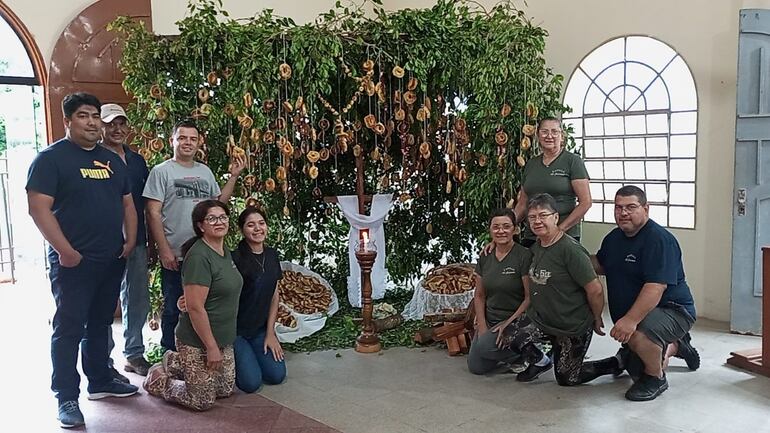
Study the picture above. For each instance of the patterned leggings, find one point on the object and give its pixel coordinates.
(185, 380)
(568, 353)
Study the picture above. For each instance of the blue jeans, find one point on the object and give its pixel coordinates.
(253, 366)
(134, 303)
(85, 302)
(171, 286)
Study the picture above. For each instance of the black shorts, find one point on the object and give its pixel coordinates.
(667, 324)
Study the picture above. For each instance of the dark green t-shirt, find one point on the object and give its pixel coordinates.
(502, 282)
(555, 179)
(558, 274)
(204, 266)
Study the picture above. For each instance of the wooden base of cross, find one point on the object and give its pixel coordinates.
(758, 360)
(367, 341)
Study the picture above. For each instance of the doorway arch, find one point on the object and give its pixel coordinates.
(24, 129)
(40, 77)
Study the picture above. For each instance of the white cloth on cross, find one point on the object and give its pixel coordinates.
(381, 205)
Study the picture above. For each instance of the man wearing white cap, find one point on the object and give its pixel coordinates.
(134, 292)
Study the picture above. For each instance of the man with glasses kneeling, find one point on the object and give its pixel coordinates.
(649, 300)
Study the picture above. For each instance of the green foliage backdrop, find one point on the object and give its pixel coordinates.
(466, 65)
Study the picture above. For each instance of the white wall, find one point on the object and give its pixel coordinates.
(47, 19)
(166, 12)
(703, 32)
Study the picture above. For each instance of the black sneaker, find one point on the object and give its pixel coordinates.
(687, 352)
(533, 371)
(70, 415)
(647, 388)
(137, 365)
(115, 388)
(115, 375)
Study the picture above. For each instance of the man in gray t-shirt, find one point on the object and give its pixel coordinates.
(172, 190)
(178, 189)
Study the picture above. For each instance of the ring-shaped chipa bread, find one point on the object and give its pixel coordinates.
(203, 94)
(212, 78)
(370, 121)
(284, 70)
(312, 172)
(313, 156)
(528, 130)
(501, 138)
(410, 97)
(505, 110)
(280, 173)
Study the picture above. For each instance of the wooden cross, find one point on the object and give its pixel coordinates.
(367, 341)
(363, 198)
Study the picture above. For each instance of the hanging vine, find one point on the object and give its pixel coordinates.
(441, 103)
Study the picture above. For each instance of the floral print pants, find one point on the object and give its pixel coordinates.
(185, 380)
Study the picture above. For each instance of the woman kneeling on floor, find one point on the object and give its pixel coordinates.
(258, 354)
(203, 368)
(502, 295)
(566, 303)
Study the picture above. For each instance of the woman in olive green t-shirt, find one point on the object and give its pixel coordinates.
(501, 296)
(557, 172)
(566, 299)
(203, 368)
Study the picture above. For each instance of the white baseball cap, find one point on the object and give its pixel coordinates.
(111, 111)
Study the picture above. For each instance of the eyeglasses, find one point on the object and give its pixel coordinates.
(540, 217)
(213, 220)
(629, 208)
(551, 132)
(504, 227)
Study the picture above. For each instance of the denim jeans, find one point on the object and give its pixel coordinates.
(253, 366)
(171, 286)
(85, 299)
(134, 303)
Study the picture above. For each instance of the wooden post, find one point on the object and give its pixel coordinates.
(367, 341)
(758, 360)
(360, 184)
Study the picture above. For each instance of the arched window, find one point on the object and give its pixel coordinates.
(634, 118)
(15, 61)
(22, 134)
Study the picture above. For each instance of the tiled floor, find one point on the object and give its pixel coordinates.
(424, 390)
(398, 390)
(27, 404)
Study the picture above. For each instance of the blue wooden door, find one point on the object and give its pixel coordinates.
(751, 206)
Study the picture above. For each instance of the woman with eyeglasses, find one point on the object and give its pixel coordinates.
(566, 302)
(501, 296)
(557, 172)
(258, 353)
(203, 367)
